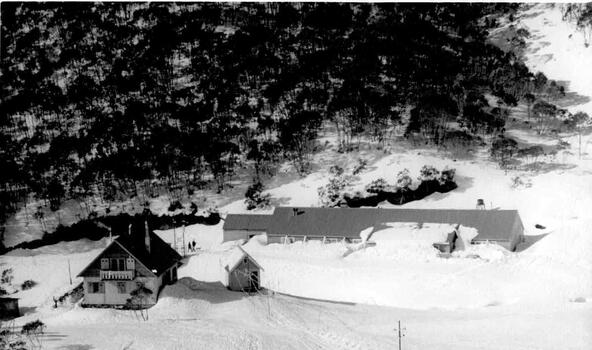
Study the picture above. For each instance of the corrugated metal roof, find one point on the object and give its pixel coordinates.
(247, 222)
(348, 222)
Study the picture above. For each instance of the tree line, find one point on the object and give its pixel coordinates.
(111, 99)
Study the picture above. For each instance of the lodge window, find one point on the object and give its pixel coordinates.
(96, 287)
(121, 287)
(118, 264)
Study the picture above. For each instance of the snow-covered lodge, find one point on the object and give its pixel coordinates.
(289, 224)
(130, 263)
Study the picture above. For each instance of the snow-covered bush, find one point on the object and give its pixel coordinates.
(361, 166)
(503, 150)
(447, 175)
(11, 340)
(377, 186)
(332, 193)
(336, 170)
(562, 144)
(518, 182)
(6, 277)
(428, 173)
(255, 197)
(175, 205)
(28, 284)
(33, 328)
(404, 180)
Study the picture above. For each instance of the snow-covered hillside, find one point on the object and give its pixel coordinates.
(539, 297)
(559, 51)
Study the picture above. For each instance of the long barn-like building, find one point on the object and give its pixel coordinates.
(289, 224)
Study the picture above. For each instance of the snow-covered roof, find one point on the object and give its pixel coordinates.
(233, 258)
(493, 225)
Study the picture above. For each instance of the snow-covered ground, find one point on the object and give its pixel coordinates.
(558, 50)
(539, 297)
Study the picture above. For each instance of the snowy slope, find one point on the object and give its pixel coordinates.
(557, 49)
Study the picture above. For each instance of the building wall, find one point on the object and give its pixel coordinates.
(111, 296)
(240, 277)
(517, 234)
(233, 235)
(9, 309)
(275, 239)
(327, 239)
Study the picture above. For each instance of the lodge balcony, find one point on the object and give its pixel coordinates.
(117, 275)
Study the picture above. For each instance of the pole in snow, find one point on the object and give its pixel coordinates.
(174, 236)
(69, 272)
(184, 240)
(400, 333)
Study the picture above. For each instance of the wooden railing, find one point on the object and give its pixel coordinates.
(117, 275)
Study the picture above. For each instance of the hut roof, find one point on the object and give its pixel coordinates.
(494, 225)
(233, 258)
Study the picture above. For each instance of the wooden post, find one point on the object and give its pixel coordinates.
(399, 335)
(580, 145)
(184, 240)
(69, 272)
(174, 237)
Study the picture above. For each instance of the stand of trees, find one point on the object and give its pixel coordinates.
(108, 99)
(581, 15)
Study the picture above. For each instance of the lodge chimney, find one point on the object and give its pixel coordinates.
(147, 236)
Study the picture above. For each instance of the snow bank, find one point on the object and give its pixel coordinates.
(48, 266)
(570, 244)
(205, 236)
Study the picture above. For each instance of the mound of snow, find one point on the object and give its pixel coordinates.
(205, 236)
(409, 240)
(486, 251)
(465, 236)
(570, 244)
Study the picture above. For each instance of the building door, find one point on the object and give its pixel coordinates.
(254, 280)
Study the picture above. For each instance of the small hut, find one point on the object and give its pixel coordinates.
(243, 272)
(9, 308)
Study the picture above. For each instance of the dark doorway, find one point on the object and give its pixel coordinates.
(254, 280)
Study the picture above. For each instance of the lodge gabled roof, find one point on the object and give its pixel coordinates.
(494, 225)
(161, 256)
